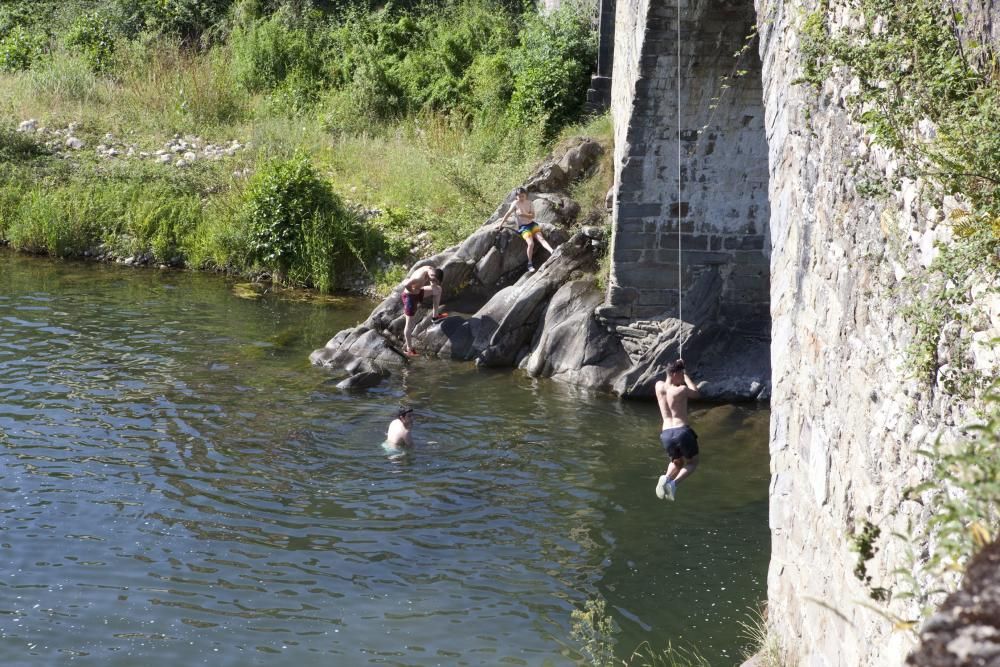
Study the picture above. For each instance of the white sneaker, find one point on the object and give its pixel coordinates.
(531, 269)
(665, 488)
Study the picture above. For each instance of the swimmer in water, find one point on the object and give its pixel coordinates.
(399, 436)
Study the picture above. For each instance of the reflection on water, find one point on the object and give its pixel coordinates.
(179, 486)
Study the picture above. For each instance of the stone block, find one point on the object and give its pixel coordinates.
(628, 256)
(695, 257)
(648, 276)
(745, 242)
(629, 226)
(752, 258)
(634, 241)
(687, 242)
(657, 297)
(622, 295)
(748, 292)
(650, 209)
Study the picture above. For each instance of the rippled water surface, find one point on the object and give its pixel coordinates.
(179, 487)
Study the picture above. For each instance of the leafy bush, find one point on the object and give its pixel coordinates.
(299, 228)
(268, 51)
(19, 49)
(965, 511)
(188, 19)
(94, 36)
(463, 57)
(436, 73)
(552, 67)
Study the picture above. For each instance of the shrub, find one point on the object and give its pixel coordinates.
(94, 35)
(552, 67)
(436, 74)
(268, 51)
(299, 228)
(188, 19)
(19, 49)
(370, 99)
(490, 84)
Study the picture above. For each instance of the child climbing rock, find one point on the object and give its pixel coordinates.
(524, 212)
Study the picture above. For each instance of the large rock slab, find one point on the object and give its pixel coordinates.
(572, 346)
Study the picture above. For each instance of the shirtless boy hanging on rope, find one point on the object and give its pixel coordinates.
(425, 281)
(524, 212)
(678, 438)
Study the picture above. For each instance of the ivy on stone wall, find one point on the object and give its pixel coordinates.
(932, 96)
(934, 99)
(965, 516)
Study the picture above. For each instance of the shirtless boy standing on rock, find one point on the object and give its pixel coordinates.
(678, 438)
(527, 228)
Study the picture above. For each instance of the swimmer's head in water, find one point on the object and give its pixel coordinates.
(404, 412)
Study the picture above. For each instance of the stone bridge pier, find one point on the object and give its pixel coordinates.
(715, 225)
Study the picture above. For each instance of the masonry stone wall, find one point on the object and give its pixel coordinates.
(723, 210)
(848, 415)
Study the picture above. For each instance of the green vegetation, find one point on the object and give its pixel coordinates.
(762, 643)
(936, 102)
(363, 136)
(594, 630)
(965, 513)
(299, 226)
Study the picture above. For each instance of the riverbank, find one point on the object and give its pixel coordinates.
(153, 154)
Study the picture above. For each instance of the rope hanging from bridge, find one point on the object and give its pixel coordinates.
(680, 208)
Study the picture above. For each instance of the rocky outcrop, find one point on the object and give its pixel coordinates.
(485, 277)
(965, 632)
(548, 322)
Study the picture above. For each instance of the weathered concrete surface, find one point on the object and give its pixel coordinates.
(723, 210)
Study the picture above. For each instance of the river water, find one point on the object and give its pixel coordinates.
(179, 486)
